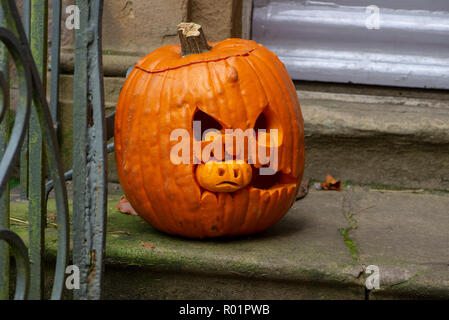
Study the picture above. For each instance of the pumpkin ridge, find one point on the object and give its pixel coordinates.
(228, 65)
(251, 211)
(167, 223)
(283, 163)
(271, 97)
(124, 137)
(230, 211)
(152, 214)
(300, 157)
(282, 203)
(171, 102)
(120, 137)
(263, 205)
(272, 207)
(260, 89)
(233, 94)
(215, 84)
(220, 102)
(286, 164)
(242, 200)
(165, 191)
(260, 86)
(295, 113)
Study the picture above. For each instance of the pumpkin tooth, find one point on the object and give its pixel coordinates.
(208, 196)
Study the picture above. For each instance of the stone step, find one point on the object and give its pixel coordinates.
(374, 135)
(319, 250)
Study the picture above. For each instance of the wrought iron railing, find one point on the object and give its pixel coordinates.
(33, 138)
(89, 152)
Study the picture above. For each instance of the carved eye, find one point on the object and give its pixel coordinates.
(268, 120)
(261, 124)
(207, 123)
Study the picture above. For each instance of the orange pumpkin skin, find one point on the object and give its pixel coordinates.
(234, 82)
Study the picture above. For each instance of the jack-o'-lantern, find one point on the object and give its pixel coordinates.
(230, 85)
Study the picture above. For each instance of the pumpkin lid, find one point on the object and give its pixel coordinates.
(169, 57)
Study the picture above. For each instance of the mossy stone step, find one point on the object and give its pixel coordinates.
(303, 256)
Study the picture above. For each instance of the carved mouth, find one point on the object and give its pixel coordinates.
(263, 183)
(266, 182)
(224, 183)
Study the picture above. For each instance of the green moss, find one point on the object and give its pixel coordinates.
(349, 215)
(120, 53)
(14, 182)
(256, 256)
(12, 119)
(349, 243)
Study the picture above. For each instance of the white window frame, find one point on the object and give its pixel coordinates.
(332, 42)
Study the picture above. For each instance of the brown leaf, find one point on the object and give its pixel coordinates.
(147, 245)
(303, 189)
(331, 183)
(51, 215)
(125, 207)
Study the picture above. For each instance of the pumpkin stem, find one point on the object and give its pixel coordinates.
(192, 39)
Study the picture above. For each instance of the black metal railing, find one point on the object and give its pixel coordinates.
(33, 139)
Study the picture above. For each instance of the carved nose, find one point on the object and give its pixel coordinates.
(228, 176)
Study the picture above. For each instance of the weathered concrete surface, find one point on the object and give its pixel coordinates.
(136, 283)
(303, 246)
(303, 252)
(366, 116)
(396, 225)
(378, 161)
(407, 236)
(304, 256)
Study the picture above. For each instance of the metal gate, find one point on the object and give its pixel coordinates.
(33, 142)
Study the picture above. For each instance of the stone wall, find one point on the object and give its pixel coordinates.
(137, 27)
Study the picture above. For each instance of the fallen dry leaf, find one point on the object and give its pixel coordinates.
(331, 183)
(125, 207)
(303, 189)
(147, 245)
(51, 215)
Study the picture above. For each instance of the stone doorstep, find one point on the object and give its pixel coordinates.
(304, 256)
(349, 115)
(372, 135)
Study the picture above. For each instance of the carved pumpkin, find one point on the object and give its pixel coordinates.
(233, 84)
